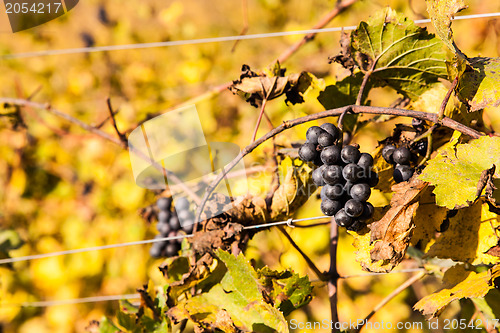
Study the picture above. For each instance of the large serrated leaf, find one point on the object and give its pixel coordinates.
(397, 53)
(459, 283)
(234, 304)
(461, 168)
(479, 84)
(471, 234)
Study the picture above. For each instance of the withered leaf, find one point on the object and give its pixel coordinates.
(254, 88)
(391, 234)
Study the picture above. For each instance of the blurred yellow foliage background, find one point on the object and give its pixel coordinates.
(64, 188)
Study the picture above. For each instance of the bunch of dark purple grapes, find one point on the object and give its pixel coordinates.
(401, 159)
(169, 226)
(346, 175)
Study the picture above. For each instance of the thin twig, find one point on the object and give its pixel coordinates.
(431, 117)
(333, 275)
(362, 88)
(244, 30)
(442, 109)
(311, 264)
(389, 297)
(122, 136)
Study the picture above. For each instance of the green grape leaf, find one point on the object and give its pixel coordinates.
(104, 326)
(234, 304)
(343, 93)
(479, 85)
(288, 290)
(458, 283)
(461, 168)
(469, 237)
(398, 53)
(441, 13)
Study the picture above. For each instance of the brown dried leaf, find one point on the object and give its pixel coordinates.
(257, 87)
(391, 234)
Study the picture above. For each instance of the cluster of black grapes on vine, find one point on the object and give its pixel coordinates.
(402, 157)
(169, 225)
(345, 173)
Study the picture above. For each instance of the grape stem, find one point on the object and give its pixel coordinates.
(122, 136)
(356, 109)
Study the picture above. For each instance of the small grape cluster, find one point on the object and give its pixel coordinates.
(346, 175)
(401, 158)
(169, 226)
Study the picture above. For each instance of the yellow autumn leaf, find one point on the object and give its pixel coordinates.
(458, 283)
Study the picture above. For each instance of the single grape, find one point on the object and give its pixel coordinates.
(307, 152)
(184, 215)
(313, 133)
(164, 203)
(317, 176)
(330, 155)
(156, 249)
(350, 154)
(353, 208)
(352, 172)
(402, 173)
(171, 250)
(365, 160)
(387, 153)
(332, 129)
(342, 219)
(332, 174)
(172, 234)
(163, 228)
(360, 192)
(421, 147)
(164, 216)
(174, 223)
(325, 139)
(333, 192)
(182, 204)
(402, 155)
(188, 226)
(368, 211)
(330, 207)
